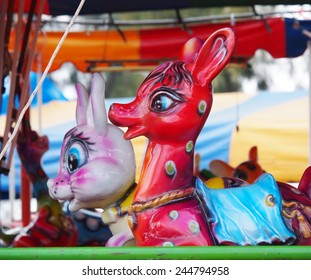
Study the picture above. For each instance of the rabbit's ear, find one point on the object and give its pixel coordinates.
(97, 111)
(82, 103)
(221, 168)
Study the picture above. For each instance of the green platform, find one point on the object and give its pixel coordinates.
(159, 253)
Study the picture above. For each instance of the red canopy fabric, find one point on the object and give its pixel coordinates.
(134, 48)
(148, 47)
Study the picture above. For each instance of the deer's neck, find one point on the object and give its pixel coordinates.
(167, 167)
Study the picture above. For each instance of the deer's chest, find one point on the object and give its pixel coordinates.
(181, 223)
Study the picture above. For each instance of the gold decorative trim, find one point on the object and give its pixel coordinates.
(303, 223)
(161, 200)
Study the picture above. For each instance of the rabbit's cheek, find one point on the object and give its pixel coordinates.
(61, 192)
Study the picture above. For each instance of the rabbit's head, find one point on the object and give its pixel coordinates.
(97, 166)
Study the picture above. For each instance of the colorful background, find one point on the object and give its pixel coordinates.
(277, 123)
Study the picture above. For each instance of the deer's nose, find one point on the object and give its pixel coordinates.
(124, 114)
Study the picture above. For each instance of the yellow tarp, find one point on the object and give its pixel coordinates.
(281, 135)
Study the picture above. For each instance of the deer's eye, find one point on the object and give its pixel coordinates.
(163, 101)
(75, 157)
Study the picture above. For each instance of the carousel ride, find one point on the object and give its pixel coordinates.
(169, 205)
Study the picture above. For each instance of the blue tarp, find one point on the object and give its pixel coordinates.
(50, 92)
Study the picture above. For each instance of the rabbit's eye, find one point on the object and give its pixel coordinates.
(76, 157)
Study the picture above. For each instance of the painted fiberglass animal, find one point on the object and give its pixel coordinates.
(97, 167)
(171, 207)
(248, 170)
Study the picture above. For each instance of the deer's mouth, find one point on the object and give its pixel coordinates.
(134, 131)
(127, 116)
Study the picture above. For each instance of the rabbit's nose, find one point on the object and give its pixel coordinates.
(56, 181)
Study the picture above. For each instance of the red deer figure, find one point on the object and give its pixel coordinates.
(171, 108)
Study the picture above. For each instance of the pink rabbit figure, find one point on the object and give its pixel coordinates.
(97, 165)
(170, 109)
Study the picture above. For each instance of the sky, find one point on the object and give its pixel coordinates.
(283, 74)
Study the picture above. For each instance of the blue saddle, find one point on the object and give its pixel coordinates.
(247, 215)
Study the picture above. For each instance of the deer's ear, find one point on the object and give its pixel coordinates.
(82, 102)
(190, 50)
(98, 107)
(253, 154)
(214, 55)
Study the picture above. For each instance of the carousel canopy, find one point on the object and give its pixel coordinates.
(123, 47)
(140, 48)
(68, 7)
